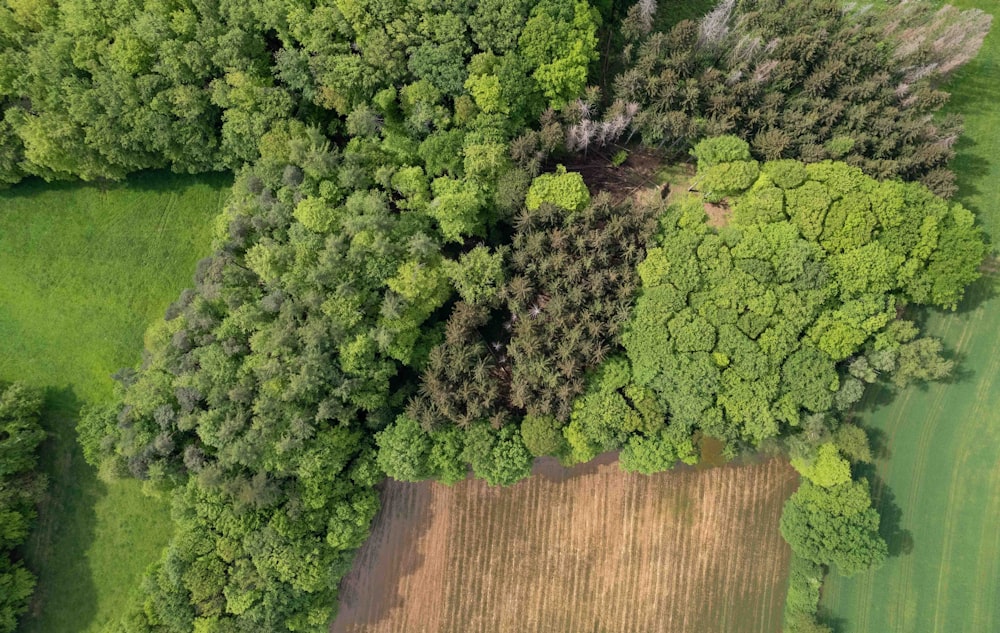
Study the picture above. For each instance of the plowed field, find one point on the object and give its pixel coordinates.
(590, 549)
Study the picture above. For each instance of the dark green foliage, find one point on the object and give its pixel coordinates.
(743, 332)
(567, 293)
(258, 399)
(834, 525)
(804, 581)
(20, 489)
(268, 403)
(542, 435)
(808, 79)
(497, 456)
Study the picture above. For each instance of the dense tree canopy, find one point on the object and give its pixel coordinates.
(101, 89)
(20, 489)
(808, 79)
(747, 330)
(406, 282)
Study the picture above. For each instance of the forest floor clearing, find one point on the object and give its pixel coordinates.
(86, 269)
(590, 549)
(938, 475)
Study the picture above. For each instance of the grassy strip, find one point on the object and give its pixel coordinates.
(939, 471)
(85, 269)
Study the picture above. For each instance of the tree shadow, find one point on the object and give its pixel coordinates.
(66, 524)
(969, 168)
(370, 591)
(164, 181)
(157, 181)
(898, 539)
(878, 441)
(836, 623)
(977, 293)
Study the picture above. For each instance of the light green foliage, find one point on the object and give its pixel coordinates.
(786, 174)
(834, 525)
(315, 214)
(807, 206)
(741, 331)
(559, 42)
(610, 410)
(458, 208)
(404, 450)
(725, 179)
(720, 149)
(563, 189)
(802, 601)
(79, 291)
(648, 454)
(826, 468)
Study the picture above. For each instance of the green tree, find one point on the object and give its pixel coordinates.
(563, 189)
(404, 450)
(834, 525)
(497, 456)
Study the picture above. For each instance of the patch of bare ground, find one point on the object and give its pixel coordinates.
(587, 549)
(638, 173)
(718, 214)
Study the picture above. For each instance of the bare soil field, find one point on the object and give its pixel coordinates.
(585, 550)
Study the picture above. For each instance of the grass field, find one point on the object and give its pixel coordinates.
(85, 270)
(592, 550)
(942, 465)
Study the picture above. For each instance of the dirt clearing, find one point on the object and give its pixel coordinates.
(585, 550)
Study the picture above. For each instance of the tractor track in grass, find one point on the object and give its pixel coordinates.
(961, 467)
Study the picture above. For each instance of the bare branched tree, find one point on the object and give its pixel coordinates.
(934, 44)
(714, 27)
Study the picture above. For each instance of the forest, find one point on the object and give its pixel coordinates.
(411, 280)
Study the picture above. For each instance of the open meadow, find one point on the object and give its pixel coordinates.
(592, 549)
(85, 270)
(941, 463)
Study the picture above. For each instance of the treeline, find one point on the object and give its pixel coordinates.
(334, 264)
(20, 490)
(406, 283)
(807, 79)
(99, 89)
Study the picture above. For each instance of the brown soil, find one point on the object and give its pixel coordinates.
(589, 549)
(635, 174)
(718, 214)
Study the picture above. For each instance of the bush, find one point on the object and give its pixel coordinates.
(562, 189)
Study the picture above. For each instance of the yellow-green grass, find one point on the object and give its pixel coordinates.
(84, 270)
(942, 466)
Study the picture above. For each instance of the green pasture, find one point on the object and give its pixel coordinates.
(939, 475)
(85, 269)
